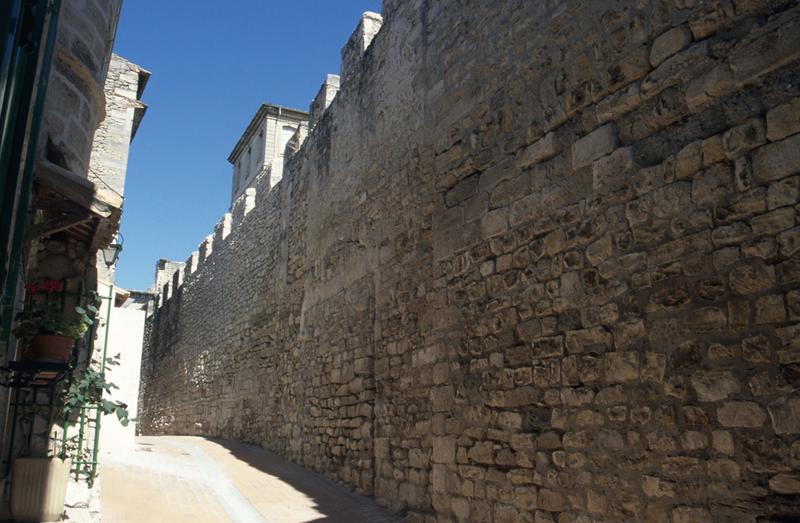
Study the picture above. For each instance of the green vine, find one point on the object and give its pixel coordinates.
(88, 389)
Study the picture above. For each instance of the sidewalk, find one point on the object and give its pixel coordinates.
(194, 480)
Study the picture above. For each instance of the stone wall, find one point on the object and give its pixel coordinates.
(538, 261)
(75, 103)
(124, 110)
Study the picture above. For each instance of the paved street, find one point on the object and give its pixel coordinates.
(194, 480)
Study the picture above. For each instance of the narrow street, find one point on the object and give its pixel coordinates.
(195, 480)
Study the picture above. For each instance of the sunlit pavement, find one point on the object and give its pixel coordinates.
(187, 479)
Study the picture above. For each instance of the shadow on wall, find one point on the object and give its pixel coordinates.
(328, 497)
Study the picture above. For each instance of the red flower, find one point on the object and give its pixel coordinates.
(44, 286)
(51, 285)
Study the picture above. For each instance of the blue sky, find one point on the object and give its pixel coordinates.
(213, 63)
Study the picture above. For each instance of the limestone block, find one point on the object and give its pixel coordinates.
(713, 150)
(711, 18)
(610, 173)
(510, 190)
(777, 160)
(547, 347)
(541, 149)
(714, 385)
(669, 43)
(462, 190)
(783, 192)
(598, 143)
(770, 309)
(789, 242)
(677, 69)
(723, 442)
(741, 414)
(621, 366)
(786, 483)
(751, 277)
(494, 222)
(715, 82)
(482, 453)
(744, 137)
(706, 319)
(689, 160)
(773, 222)
(784, 120)
(785, 416)
(616, 105)
(775, 44)
(551, 500)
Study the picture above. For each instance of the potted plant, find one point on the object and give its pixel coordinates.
(39, 485)
(49, 333)
(38, 488)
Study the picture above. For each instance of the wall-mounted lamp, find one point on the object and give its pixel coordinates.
(111, 253)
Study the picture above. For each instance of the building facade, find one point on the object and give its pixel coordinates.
(69, 111)
(260, 150)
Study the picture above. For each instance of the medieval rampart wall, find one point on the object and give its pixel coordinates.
(538, 261)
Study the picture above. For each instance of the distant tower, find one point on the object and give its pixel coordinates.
(262, 145)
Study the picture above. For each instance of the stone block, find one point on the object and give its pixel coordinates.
(482, 453)
(773, 222)
(610, 173)
(785, 483)
(716, 385)
(444, 450)
(677, 69)
(752, 277)
(689, 160)
(617, 104)
(494, 222)
(713, 150)
(621, 366)
(777, 160)
(709, 85)
(785, 416)
(783, 192)
(770, 309)
(669, 43)
(551, 500)
(773, 45)
(462, 190)
(510, 190)
(784, 120)
(745, 137)
(599, 142)
(789, 242)
(542, 149)
(706, 319)
(741, 414)
(723, 442)
(547, 347)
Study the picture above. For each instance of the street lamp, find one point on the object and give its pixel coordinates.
(111, 253)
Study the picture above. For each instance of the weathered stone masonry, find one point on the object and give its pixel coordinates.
(538, 261)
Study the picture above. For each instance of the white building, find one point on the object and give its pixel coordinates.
(261, 148)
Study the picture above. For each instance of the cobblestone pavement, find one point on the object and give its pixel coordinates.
(175, 479)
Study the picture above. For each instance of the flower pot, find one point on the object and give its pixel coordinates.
(38, 488)
(45, 347)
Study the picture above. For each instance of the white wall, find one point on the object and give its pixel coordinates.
(125, 338)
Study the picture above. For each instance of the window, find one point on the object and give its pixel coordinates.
(286, 134)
